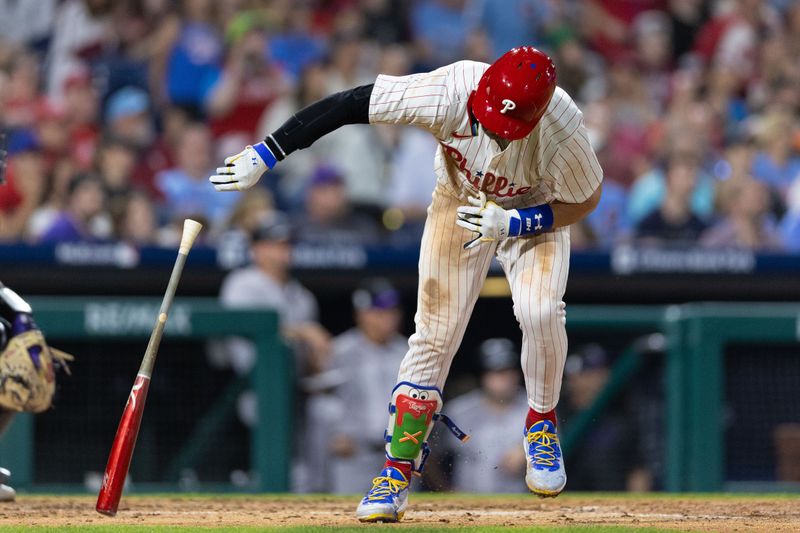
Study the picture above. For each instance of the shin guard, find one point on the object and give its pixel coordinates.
(412, 412)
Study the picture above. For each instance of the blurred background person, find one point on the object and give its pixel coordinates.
(267, 284)
(25, 183)
(84, 217)
(493, 462)
(674, 222)
(328, 217)
(609, 456)
(184, 187)
(363, 366)
(747, 222)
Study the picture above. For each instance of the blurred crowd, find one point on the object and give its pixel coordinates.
(118, 110)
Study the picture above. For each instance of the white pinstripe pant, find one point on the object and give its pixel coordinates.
(450, 279)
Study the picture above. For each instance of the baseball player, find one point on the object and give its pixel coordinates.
(514, 169)
(27, 367)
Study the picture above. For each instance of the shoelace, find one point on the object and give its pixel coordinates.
(545, 441)
(380, 491)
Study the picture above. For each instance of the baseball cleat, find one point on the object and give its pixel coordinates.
(386, 501)
(545, 474)
(7, 494)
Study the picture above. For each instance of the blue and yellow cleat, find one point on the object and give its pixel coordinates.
(386, 501)
(545, 475)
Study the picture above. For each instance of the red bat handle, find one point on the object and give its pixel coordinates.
(122, 450)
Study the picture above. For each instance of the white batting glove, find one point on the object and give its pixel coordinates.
(243, 170)
(486, 218)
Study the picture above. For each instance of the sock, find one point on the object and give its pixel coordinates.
(535, 416)
(402, 466)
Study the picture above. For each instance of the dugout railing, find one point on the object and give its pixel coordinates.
(692, 336)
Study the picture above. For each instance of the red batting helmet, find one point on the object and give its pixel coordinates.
(514, 92)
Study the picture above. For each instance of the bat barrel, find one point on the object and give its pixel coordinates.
(119, 459)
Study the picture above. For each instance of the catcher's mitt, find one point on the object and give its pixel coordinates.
(27, 372)
(27, 364)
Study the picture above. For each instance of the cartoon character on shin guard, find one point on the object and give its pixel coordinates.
(412, 412)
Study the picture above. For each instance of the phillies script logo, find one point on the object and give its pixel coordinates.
(406, 404)
(498, 186)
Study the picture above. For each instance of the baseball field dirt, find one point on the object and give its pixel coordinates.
(428, 512)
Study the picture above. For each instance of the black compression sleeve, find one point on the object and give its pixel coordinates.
(319, 119)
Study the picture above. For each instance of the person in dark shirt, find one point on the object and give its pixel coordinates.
(674, 221)
(328, 218)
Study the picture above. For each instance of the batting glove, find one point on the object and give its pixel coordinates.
(243, 170)
(490, 221)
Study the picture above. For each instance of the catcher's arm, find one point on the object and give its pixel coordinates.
(243, 170)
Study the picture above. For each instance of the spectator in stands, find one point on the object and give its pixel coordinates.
(608, 24)
(411, 181)
(22, 100)
(510, 23)
(81, 30)
(365, 360)
(747, 221)
(296, 45)
(247, 85)
(83, 218)
(185, 187)
(493, 460)
(129, 119)
(81, 105)
(52, 132)
(115, 160)
(359, 151)
(686, 19)
(128, 116)
(650, 189)
(440, 29)
(233, 244)
(328, 217)
(27, 24)
(386, 21)
(195, 58)
(674, 222)
(790, 225)
(161, 154)
(24, 187)
(253, 207)
(135, 219)
(609, 223)
(776, 164)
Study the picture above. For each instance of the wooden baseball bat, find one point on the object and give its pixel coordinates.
(119, 459)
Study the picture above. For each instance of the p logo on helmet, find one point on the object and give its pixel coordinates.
(508, 105)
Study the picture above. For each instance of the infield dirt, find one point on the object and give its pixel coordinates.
(693, 512)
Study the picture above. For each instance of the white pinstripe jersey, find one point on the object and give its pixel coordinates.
(554, 162)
